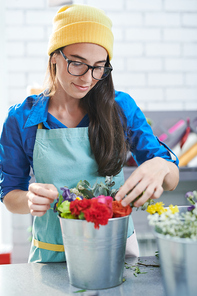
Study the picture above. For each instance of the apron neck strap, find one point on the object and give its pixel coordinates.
(40, 125)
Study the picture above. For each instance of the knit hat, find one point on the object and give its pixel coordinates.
(79, 23)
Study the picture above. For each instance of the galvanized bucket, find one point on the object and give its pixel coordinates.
(95, 257)
(178, 259)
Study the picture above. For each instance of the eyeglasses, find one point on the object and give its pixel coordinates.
(79, 69)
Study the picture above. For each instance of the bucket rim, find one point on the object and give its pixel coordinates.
(182, 240)
(111, 219)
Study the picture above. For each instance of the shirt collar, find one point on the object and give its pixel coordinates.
(39, 111)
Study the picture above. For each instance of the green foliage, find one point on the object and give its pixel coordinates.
(97, 189)
(64, 209)
(135, 269)
(60, 200)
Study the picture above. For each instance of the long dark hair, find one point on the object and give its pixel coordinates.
(107, 125)
(106, 128)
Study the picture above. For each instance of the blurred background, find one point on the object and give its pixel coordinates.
(155, 61)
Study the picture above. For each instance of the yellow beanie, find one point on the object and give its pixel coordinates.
(79, 23)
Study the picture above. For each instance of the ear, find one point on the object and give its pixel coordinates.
(53, 59)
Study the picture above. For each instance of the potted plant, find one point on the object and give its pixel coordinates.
(94, 230)
(175, 229)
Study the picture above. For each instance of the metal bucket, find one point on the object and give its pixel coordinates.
(178, 259)
(95, 257)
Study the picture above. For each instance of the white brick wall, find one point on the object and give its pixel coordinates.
(180, 5)
(155, 49)
(155, 52)
(23, 4)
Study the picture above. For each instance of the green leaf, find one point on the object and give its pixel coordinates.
(113, 192)
(84, 184)
(86, 193)
(98, 189)
(103, 191)
(64, 207)
(135, 274)
(137, 271)
(158, 229)
(94, 186)
(109, 182)
(81, 216)
(60, 200)
(80, 291)
(68, 216)
(85, 188)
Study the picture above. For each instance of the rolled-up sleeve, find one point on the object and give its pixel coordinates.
(14, 165)
(143, 143)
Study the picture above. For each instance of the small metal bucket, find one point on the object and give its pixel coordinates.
(178, 259)
(95, 257)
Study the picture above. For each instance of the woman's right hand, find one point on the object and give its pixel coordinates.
(40, 196)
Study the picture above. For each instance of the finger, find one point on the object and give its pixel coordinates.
(39, 208)
(129, 185)
(48, 186)
(145, 189)
(45, 190)
(157, 193)
(39, 200)
(136, 192)
(151, 192)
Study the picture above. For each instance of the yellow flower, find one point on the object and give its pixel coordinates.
(156, 208)
(174, 209)
(151, 209)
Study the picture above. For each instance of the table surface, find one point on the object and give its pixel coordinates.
(52, 279)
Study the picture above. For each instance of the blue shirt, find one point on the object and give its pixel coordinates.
(19, 133)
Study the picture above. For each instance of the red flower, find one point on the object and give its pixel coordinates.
(119, 210)
(78, 206)
(107, 200)
(99, 210)
(98, 213)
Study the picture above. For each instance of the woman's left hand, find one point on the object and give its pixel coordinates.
(150, 178)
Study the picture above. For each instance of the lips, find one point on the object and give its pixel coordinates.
(81, 88)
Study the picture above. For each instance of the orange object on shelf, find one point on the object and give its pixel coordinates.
(188, 155)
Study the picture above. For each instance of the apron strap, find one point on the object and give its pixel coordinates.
(40, 125)
(47, 246)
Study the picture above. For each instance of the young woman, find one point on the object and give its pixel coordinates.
(78, 128)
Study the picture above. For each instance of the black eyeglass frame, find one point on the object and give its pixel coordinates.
(89, 67)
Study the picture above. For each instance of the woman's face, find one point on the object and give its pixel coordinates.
(78, 86)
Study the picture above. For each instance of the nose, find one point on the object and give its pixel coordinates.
(87, 76)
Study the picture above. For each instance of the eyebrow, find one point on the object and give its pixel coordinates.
(79, 57)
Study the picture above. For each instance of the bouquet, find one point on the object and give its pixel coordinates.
(94, 204)
(170, 222)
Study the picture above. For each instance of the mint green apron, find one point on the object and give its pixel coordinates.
(61, 157)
